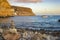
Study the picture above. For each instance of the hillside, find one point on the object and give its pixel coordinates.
(6, 10)
(23, 11)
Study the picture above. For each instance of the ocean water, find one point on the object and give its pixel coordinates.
(35, 22)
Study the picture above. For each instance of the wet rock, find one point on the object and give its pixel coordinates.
(59, 20)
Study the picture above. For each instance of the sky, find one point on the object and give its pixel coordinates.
(39, 7)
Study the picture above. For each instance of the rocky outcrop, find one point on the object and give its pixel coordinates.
(59, 20)
(10, 33)
(23, 11)
(5, 9)
(6, 13)
(11, 36)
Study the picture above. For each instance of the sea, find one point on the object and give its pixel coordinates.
(49, 22)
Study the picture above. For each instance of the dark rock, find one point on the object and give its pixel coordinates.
(59, 20)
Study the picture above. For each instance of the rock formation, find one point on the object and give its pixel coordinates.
(5, 9)
(59, 20)
(10, 33)
(23, 11)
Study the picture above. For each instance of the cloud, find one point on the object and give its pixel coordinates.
(28, 0)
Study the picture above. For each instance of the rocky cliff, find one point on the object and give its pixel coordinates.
(23, 11)
(5, 9)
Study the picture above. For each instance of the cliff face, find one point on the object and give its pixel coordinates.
(23, 11)
(5, 9)
(6, 13)
(4, 4)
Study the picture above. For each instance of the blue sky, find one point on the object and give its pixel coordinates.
(46, 7)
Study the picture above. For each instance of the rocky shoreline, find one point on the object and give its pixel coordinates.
(38, 35)
(12, 33)
(32, 35)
